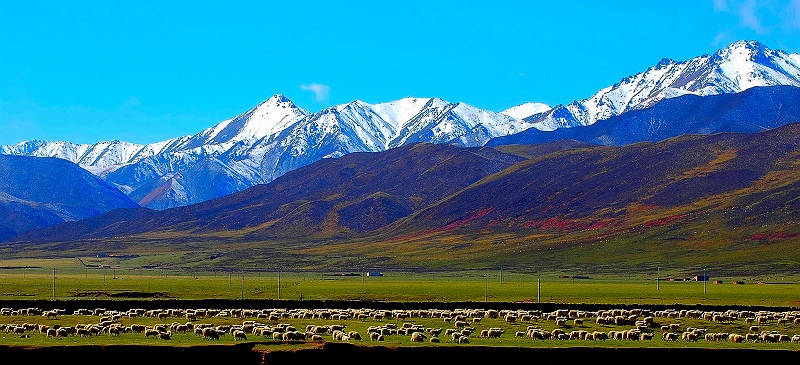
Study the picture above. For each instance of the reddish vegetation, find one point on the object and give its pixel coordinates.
(663, 221)
(773, 236)
(494, 222)
(461, 222)
(556, 223)
(480, 214)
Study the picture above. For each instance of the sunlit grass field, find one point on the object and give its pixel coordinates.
(68, 279)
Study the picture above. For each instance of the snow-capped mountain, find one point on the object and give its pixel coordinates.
(526, 110)
(276, 136)
(269, 140)
(740, 66)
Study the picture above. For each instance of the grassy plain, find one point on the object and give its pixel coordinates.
(35, 280)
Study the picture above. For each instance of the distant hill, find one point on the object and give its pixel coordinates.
(753, 110)
(579, 189)
(37, 192)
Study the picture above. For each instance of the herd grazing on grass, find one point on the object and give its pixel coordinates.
(457, 326)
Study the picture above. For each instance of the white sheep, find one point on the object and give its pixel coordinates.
(209, 333)
(239, 334)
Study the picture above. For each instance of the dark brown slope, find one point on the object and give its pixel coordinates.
(351, 195)
(750, 179)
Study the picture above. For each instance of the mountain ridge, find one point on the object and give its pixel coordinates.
(276, 136)
(735, 68)
(722, 195)
(753, 110)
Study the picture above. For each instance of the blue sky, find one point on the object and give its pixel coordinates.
(145, 71)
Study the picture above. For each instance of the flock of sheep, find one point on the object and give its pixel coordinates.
(457, 326)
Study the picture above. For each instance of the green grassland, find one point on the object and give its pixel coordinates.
(508, 338)
(111, 279)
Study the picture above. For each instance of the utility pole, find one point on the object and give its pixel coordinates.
(658, 278)
(230, 274)
(279, 284)
(54, 283)
(486, 292)
(501, 276)
(242, 285)
(705, 280)
(539, 289)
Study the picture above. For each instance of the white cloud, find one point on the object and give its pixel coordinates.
(321, 91)
(719, 39)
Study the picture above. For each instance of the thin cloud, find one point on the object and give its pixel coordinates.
(762, 17)
(321, 91)
(719, 39)
(792, 12)
(748, 15)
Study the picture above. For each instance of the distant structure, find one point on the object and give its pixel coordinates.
(374, 273)
(701, 278)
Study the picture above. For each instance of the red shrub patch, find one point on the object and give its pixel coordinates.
(773, 236)
(494, 222)
(556, 223)
(461, 222)
(663, 221)
(480, 214)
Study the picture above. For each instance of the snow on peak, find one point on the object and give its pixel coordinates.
(523, 111)
(278, 98)
(265, 119)
(735, 68)
(399, 112)
(355, 104)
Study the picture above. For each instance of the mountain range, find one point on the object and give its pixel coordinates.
(718, 196)
(276, 136)
(753, 110)
(735, 68)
